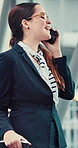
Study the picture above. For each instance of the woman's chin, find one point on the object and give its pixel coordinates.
(48, 37)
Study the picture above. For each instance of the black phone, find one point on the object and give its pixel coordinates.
(54, 35)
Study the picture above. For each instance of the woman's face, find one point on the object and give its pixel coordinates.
(40, 24)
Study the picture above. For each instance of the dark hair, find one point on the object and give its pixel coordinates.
(16, 15)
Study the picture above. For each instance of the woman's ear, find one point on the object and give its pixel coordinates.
(24, 23)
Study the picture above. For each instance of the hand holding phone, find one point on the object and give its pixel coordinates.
(54, 35)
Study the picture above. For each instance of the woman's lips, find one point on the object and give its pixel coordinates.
(47, 27)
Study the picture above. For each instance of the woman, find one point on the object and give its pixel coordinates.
(31, 79)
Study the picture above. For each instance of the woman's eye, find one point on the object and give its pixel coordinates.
(43, 17)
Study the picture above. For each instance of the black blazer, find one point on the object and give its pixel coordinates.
(29, 97)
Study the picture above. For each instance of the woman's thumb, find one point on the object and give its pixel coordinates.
(23, 140)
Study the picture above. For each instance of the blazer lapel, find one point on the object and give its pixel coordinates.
(20, 50)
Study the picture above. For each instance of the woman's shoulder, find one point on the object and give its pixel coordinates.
(10, 54)
(7, 52)
(7, 56)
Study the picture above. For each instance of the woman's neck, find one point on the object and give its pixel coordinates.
(31, 44)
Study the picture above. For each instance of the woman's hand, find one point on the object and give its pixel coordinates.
(13, 140)
(54, 48)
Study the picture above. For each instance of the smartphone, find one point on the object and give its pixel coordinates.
(54, 35)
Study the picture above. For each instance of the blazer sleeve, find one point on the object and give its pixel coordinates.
(64, 71)
(5, 94)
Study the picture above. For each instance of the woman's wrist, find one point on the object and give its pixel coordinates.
(57, 54)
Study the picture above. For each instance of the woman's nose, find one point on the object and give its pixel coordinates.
(48, 21)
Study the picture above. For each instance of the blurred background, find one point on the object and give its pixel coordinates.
(64, 17)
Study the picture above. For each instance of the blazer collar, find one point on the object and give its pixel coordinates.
(22, 52)
(18, 49)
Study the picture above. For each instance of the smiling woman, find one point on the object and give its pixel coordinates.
(31, 80)
(34, 21)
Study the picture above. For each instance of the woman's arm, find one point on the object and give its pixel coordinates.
(62, 67)
(7, 133)
(5, 94)
(64, 71)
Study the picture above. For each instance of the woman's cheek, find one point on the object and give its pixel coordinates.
(42, 23)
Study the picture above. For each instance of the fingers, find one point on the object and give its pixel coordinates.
(45, 43)
(15, 144)
(18, 144)
(13, 140)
